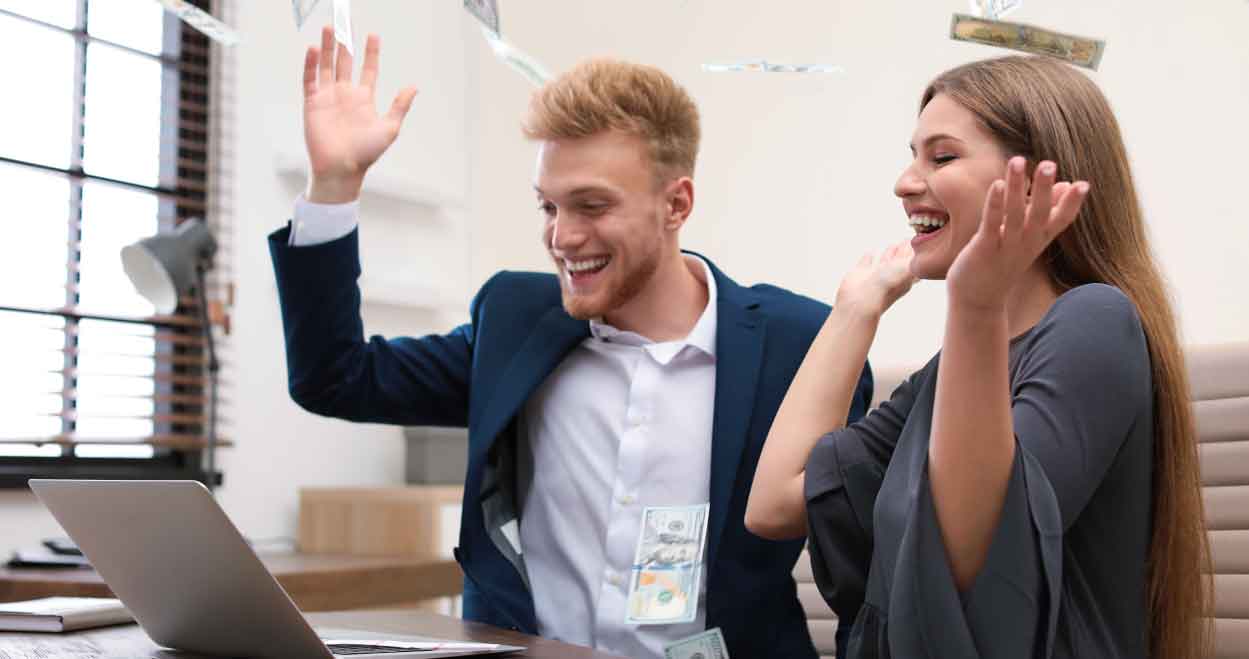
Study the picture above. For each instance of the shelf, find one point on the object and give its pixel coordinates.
(400, 293)
(376, 183)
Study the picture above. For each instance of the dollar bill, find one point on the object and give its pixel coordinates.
(520, 62)
(663, 596)
(764, 66)
(671, 536)
(993, 9)
(302, 9)
(202, 21)
(707, 645)
(342, 25)
(665, 582)
(486, 11)
(1081, 51)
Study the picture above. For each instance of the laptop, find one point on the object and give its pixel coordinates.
(169, 552)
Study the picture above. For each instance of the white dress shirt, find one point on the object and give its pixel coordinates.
(621, 424)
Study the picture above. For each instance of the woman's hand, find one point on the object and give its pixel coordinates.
(342, 130)
(1014, 230)
(876, 283)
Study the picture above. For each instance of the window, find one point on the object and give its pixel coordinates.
(108, 143)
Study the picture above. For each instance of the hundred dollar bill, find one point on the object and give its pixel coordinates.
(202, 21)
(1080, 51)
(663, 596)
(707, 645)
(666, 579)
(302, 9)
(486, 11)
(993, 9)
(764, 66)
(342, 25)
(517, 59)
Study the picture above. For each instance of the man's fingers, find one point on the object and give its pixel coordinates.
(310, 71)
(372, 53)
(403, 103)
(325, 75)
(343, 64)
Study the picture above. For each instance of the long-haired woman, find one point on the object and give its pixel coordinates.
(1034, 490)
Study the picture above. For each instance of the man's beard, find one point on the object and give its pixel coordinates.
(587, 307)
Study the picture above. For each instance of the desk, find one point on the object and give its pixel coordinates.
(316, 582)
(129, 641)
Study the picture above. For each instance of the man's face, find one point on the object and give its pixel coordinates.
(606, 219)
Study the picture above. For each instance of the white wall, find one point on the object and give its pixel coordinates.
(794, 180)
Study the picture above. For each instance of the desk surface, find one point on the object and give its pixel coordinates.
(316, 582)
(129, 641)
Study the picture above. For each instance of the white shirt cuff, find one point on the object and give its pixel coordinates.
(315, 224)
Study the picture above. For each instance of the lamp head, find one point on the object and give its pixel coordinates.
(162, 267)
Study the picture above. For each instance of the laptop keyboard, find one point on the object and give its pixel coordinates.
(344, 649)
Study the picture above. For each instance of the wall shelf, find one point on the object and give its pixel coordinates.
(379, 183)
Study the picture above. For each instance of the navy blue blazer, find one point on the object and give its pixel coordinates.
(479, 376)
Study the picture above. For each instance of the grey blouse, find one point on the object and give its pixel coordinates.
(1065, 575)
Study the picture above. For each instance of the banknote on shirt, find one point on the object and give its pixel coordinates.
(993, 9)
(302, 9)
(1081, 51)
(764, 66)
(514, 57)
(666, 579)
(707, 645)
(342, 25)
(486, 11)
(202, 21)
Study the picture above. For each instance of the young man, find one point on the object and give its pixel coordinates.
(638, 376)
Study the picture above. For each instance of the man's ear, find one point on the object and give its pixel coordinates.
(680, 195)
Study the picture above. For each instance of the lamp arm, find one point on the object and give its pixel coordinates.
(213, 367)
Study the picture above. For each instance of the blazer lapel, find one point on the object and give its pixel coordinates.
(546, 346)
(740, 331)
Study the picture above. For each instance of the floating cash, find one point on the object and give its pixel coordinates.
(706, 645)
(1080, 51)
(302, 9)
(486, 11)
(515, 58)
(667, 566)
(342, 25)
(764, 66)
(993, 9)
(202, 21)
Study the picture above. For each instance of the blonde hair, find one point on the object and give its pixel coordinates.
(1045, 110)
(605, 94)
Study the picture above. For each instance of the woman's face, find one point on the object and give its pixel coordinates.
(943, 190)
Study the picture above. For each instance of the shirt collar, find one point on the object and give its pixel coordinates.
(701, 337)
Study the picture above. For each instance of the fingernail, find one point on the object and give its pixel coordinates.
(1047, 169)
(1082, 187)
(1017, 164)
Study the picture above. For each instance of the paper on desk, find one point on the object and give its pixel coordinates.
(202, 21)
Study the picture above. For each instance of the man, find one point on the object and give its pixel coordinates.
(639, 375)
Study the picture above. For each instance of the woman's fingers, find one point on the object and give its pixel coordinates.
(994, 210)
(1041, 202)
(1067, 208)
(1016, 203)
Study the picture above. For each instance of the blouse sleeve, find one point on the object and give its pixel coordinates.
(1079, 388)
(843, 475)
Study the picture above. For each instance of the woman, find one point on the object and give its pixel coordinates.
(1038, 493)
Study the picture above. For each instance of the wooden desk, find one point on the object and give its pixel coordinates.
(316, 582)
(129, 641)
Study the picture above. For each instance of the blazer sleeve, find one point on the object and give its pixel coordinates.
(333, 371)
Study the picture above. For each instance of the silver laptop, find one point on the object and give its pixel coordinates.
(176, 561)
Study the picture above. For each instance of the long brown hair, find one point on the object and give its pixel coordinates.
(1043, 109)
